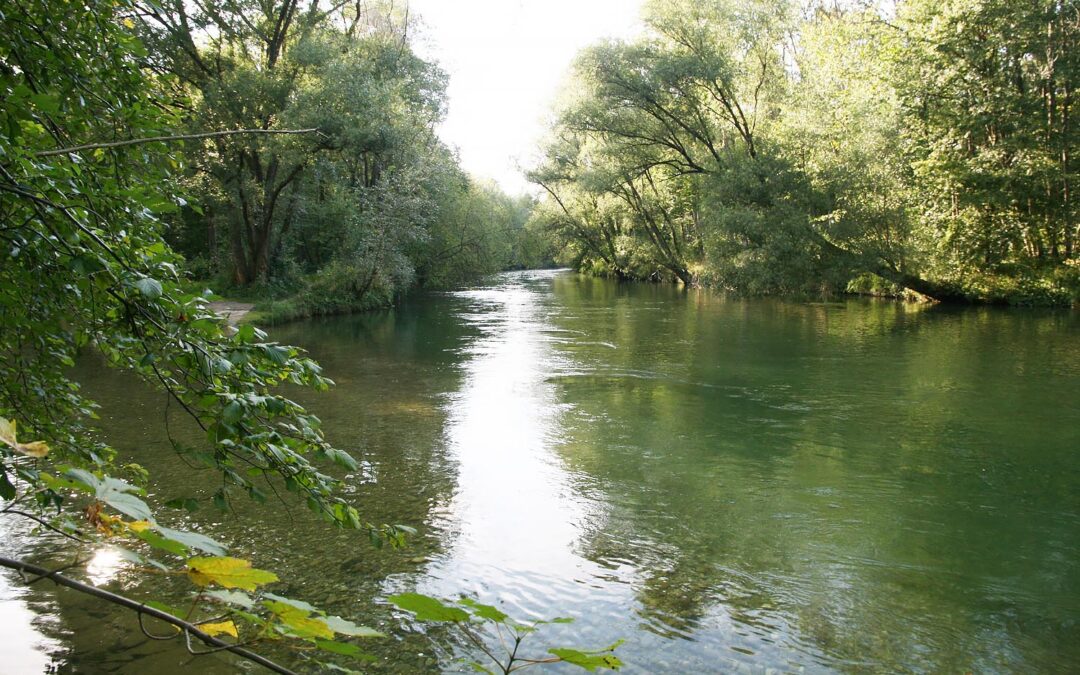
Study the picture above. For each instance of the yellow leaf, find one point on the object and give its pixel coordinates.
(7, 437)
(35, 449)
(223, 628)
(300, 622)
(139, 525)
(7, 431)
(227, 572)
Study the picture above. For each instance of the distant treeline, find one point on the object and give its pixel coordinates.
(767, 146)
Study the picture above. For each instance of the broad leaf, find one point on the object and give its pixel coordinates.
(484, 611)
(7, 437)
(298, 622)
(228, 572)
(151, 288)
(232, 598)
(222, 628)
(427, 608)
(193, 540)
(590, 661)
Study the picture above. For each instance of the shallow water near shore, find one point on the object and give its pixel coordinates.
(728, 485)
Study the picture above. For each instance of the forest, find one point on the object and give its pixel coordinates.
(772, 147)
(287, 151)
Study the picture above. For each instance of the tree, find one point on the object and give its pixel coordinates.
(763, 153)
(987, 90)
(86, 269)
(88, 168)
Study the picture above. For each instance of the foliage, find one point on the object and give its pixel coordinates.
(742, 145)
(350, 217)
(86, 269)
(483, 625)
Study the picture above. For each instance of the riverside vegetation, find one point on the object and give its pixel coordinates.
(287, 149)
(775, 147)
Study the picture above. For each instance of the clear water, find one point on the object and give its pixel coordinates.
(728, 485)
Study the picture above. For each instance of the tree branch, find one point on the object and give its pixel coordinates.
(170, 139)
(139, 607)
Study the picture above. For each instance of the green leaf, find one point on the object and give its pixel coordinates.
(151, 288)
(298, 604)
(47, 103)
(276, 354)
(232, 412)
(341, 458)
(343, 648)
(162, 607)
(194, 540)
(590, 661)
(84, 480)
(484, 611)
(186, 503)
(158, 541)
(427, 608)
(7, 490)
(126, 503)
(298, 622)
(345, 627)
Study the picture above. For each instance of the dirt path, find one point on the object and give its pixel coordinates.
(233, 312)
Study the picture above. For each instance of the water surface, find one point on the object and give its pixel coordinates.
(726, 484)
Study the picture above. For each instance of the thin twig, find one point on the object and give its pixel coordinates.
(45, 524)
(171, 139)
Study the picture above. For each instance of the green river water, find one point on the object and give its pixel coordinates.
(728, 485)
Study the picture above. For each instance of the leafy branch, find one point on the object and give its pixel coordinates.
(482, 624)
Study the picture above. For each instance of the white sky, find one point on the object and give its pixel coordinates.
(506, 60)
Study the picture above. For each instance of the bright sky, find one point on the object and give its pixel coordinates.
(506, 60)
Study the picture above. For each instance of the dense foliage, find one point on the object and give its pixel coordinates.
(285, 140)
(369, 203)
(765, 147)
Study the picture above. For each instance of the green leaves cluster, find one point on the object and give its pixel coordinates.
(484, 625)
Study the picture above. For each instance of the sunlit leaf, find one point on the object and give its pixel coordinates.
(222, 628)
(231, 597)
(193, 540)
(127, 503)
(299, 622)
(7, 437)
(590, 660)
(228, 572)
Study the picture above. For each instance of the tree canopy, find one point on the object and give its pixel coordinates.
(777, 147)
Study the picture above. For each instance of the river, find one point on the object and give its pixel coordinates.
(728, 485)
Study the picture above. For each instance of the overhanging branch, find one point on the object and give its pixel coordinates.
(189, 628)
(171, 139)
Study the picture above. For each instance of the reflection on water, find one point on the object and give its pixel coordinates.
(725, 484)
